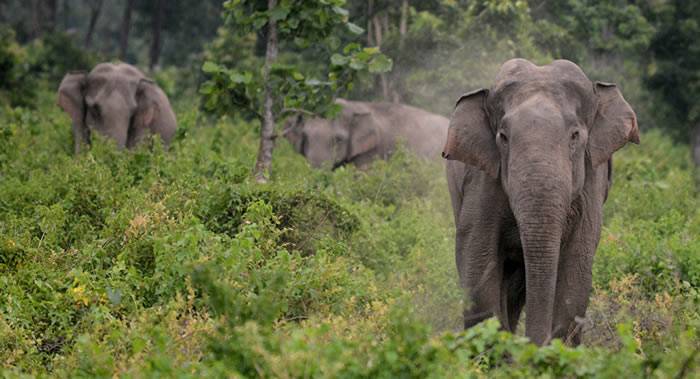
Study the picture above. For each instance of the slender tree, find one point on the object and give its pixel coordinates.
(36, 19)
(95, 10)
(66, 13)
(264, 161)
(156, 27)
(126, 27)
(52, 8)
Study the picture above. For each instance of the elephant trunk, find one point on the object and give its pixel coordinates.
(540, 201)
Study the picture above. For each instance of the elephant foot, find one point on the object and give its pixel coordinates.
(571, 333)
(471, 319)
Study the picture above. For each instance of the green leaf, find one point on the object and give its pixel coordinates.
(341, 11)
(357, 65)
(351, 47)
(297, 75)
(380, 63)
(279, 13)
(206, 88)
(354, 28)
(210, 67)
(240, 77)
(259, 22)
(339, 60)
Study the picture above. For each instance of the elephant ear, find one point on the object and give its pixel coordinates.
(364, 135)
(292, 131)
(71, 100)
(469, 136)
(614, 125)
(147, 109)
(70, 95)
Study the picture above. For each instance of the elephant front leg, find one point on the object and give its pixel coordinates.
(481, 274)
(574, 282)
(574, 285)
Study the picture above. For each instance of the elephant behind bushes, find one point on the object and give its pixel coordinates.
(117, 101)
(366, 131)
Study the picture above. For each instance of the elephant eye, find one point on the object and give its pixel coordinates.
(575, 135)
(95, 110)
(502, 137)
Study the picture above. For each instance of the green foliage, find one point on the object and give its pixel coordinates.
(149, 263)
(146, 263)
(676, 53)
(52, 56)
(301, 23)
(16, 84)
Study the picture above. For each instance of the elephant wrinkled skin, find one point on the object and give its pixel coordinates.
(117, 101)
(366, 131)
(529, 168)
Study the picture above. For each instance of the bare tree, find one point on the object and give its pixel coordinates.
(95, 10)
(51, 6)
(36, 18)
(403, 24)
(126, 27)
(156, 27)
(370, 15)
(267, 136)
(66, 13)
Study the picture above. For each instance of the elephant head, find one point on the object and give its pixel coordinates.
(351, 137)
(541, 131)
(118, 102)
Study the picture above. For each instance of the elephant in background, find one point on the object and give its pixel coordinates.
(117, 101)
(366, 131)
(529, 168)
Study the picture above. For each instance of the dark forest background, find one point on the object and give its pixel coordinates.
(440, 48)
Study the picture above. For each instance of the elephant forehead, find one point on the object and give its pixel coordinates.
(103, 86)
(559, 76)
(569, 96)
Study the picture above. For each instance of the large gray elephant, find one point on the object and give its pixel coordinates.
(366, 131)
(117, 101)
(529, 170)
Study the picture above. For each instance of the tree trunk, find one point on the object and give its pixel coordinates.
(96, 8)
(66, 12)
(383, 81)
(52, 6)
(403, 24)
(370, 11)
(377, 31)
(36, 18)
(126, 26)
(156, 26)
(395, 85)
(267, 137)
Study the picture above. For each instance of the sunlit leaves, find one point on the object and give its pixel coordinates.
(305, 23)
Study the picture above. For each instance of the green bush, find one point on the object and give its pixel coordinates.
(55, 54)
(151, 263)
(16, 83)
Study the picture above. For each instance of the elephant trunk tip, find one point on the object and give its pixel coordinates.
(445, 155)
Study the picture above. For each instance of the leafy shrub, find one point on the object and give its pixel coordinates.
(304, 217)
(55, 54)
(150, 263)
(16, 83)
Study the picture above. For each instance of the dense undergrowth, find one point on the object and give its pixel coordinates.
(175, 263)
